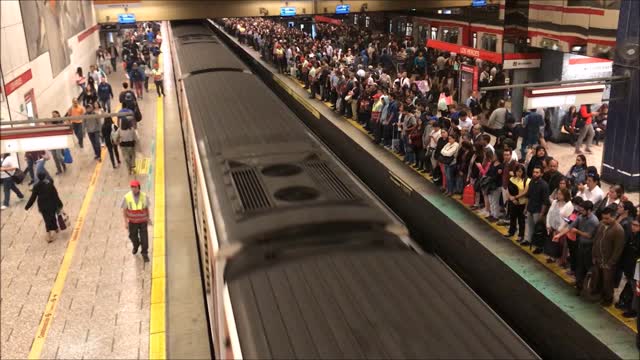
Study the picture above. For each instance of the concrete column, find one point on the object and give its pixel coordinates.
(621, 159)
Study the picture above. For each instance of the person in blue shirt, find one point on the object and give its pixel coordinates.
(105, 94)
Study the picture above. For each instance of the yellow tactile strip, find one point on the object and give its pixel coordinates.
(58, 285)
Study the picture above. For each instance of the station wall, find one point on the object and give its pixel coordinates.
(41, 46)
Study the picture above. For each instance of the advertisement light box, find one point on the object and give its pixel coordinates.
(126, 18)
(343, 9)
(287, 11)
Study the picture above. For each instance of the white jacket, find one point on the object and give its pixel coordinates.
(556, 214)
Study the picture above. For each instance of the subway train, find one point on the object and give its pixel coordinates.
(299, 258)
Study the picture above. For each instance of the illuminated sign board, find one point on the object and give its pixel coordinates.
(343, 9)
(126, 18)
(287, 11)
(478, 2)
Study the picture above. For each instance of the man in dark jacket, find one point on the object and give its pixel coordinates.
(552, 176)
(114, 55)
(630, 254)
(105, 94)
(531, 134)
(608, 243)
(537, 203)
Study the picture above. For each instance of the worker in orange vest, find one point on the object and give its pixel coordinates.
(135, 208)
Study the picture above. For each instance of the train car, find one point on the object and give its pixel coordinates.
(479, 33)
(299, 258)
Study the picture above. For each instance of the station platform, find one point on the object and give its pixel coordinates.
(605, 324)
(85, 295)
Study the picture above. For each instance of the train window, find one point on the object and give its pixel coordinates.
(489, 42)
(367, 21)
(355, 19)
(550, 44)
(474, 41)
(579, 49)
(434, 33)
(601, 4)
(409, 30)
(450, 35)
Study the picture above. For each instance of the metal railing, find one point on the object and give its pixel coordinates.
(68, 118)
(607, 79)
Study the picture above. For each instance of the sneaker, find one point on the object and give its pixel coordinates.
(145, 257)
(135, 250)
(525, 243)
(3, 207)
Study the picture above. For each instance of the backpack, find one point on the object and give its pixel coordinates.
(129, 100)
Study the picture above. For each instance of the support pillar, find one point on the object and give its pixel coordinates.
(621, 158)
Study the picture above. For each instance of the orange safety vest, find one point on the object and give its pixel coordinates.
(137, 212)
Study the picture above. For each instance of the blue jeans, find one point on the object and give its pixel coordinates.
(106, 104)
(9, 185)
(94, 137)
(29, 169)
(451, 175)
(78, 129)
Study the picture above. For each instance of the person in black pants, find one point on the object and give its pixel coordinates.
(108, 128)
(49, 203)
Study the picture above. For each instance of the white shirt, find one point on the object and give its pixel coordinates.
(466, 124)
(594, 195)
(10, 162)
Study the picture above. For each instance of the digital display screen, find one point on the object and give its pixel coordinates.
(343, 9)
(287, 11)
(126, 18)
(478, 2)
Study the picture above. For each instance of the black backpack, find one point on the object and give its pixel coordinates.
(129, 100)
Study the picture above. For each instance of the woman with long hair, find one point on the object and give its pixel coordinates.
(518, 188)
(108, 131)
(577, 174)
(561, 208)
(80, 79)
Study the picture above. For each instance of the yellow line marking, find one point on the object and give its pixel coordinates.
(541, 258)
(58, 285)
(157, 322)
(142, 166)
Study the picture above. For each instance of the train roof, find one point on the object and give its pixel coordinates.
(356, 305)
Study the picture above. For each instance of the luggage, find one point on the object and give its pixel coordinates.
(468, 195)
(63, 220)
(66, 153)
(590, 285)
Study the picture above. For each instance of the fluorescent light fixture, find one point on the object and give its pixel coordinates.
(567, 89)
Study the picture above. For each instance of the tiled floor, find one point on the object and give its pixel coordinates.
(103, 310)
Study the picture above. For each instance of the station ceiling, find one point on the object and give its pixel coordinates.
(148, 10)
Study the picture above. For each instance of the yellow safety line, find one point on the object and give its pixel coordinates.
(58, 285)
(157, 325)
(553, 267)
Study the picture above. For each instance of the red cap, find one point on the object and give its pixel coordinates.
(134, 183)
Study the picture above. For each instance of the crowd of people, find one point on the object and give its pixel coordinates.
(403, 94)
(138, 55)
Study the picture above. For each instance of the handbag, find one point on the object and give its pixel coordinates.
(62, 220)
(66, 154)
(18, 176)
(447, 160)
(468, 195)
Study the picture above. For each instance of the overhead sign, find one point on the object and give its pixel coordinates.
(521, 61)
(127, 18)
(493, 57)
(343, 9)
(287, 11)
(476, 3)
(563, 96)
